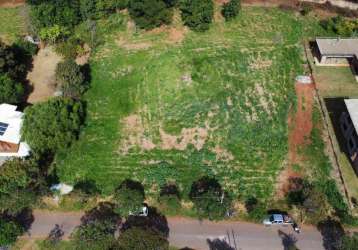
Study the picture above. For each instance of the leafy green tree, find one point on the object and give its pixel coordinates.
(209, 199)
(349, 242)
(97, 229)
(231, 9)
(10, 90)
(149, 14)
(11, 63)
(138, 239)
(70, 78)
(54, 33)
(9, 231)
(129, 198)
(20, 181)
(52, 125)
(198, 14)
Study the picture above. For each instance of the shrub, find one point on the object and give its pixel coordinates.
(70, 48)
(198, 15)
(129, 198)
(70, 78)
(52, 125)
(255, 209)
(209, 199)
(341, 26)
(170, 202)
(10, 90)
(231, 9)
(12, 62)
(29, 48)
(149, 14)
(19, 182)
(9, 231)
(138, 239)
(306, 8)
(54, 33)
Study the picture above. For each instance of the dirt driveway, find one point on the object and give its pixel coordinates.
(42, 76)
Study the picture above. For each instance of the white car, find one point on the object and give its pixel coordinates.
(278, 219)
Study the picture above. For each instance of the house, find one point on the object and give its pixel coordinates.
(337, 52)
(10, 127)
(349, 128)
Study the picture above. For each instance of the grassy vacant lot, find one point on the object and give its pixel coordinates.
(12, 23)
(216, 104)
(336, 81)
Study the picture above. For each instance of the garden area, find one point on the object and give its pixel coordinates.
(215, 104)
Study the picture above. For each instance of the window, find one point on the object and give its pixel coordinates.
(3, 127)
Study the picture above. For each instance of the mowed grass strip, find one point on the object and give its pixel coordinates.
(216, 105)
(12, 23)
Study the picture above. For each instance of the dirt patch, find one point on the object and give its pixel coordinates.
(42, 76)
(222, 154)
(11, 3)
(83, 59)
(177, 35)
(300, 127)
(260, 64)
(127, 45)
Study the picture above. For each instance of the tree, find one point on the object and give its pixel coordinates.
(71, 79)
(198, 14)
(19, 183)
(349, 242)
(97, 228)
(52, 125)
(231, 9)
(138, 239)
(10, 90)
(9, 231)
(54, 33)
(149, 14)
(209, 199)
(11, 63)
(129, 197)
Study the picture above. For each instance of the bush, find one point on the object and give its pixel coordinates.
(149, 14)
(198, 14)
(70, 78)
(231, 9)
(52, 125)
(170, 202)
(54, 33)
(10, 90)
(306, 8)
(12, 62)
(255, 209)
(209, 199)
(341, 26)
(9, 231)
(129, 198)
(70, 48)
(29, 48)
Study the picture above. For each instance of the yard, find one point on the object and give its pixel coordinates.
(165, 110)
(12, 23)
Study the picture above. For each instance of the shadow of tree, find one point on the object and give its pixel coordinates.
(155, 221)
(218, 244)
(332, 233)
(87, 187)
(134, 185)
(288, 240)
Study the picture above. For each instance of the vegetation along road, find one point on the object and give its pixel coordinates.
(198, 234)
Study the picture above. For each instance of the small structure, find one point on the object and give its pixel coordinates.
(10, 127)
(349, 128)
(337, 52)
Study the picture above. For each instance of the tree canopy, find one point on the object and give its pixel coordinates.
(11, 63)
(149, 14)
(70, 78)
(231, 9)
(9, 231)
(52, 125)
(129, 197)
(19, 182)
(209, 199)
(10, 90)
(198, 14)
(138, 239)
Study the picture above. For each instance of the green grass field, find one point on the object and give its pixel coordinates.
(215, 105)
(12, 23)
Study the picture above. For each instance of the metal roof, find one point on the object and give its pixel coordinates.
(13, 120)
(338, 46)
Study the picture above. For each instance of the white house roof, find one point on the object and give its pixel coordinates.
(338, 46)
(10, 123)
(352, 107)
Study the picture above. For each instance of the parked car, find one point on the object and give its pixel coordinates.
(143, 211)
(278, 219)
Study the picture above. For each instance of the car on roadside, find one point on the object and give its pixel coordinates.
(278, 219)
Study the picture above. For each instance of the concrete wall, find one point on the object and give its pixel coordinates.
(338, 3)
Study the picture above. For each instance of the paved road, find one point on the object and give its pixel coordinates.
(192, 233)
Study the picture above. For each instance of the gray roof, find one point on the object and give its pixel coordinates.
(352, 107)
(338, 46)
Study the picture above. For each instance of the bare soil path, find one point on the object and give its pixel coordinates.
(11, 3)
(42, 76)
(300, 127)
